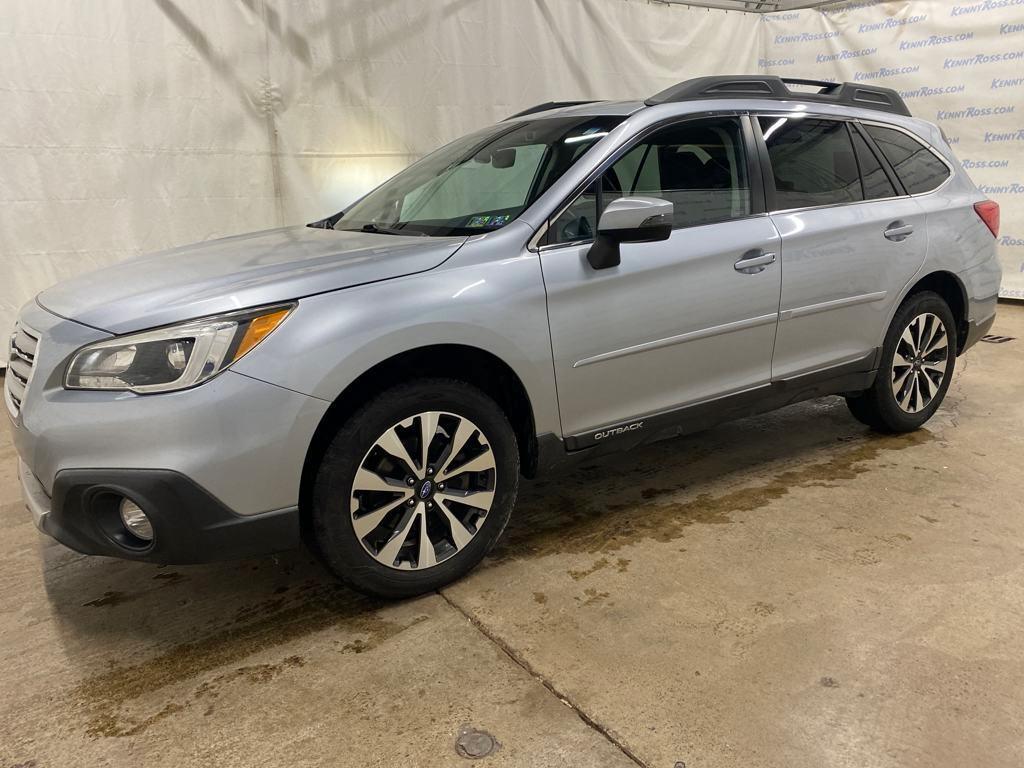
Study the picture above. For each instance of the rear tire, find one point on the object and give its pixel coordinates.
(415, 488)
(918, 358)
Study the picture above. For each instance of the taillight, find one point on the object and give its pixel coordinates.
(989, 213)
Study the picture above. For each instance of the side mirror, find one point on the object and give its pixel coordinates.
(629, 220)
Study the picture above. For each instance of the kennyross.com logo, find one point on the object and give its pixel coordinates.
(928, 42)
(844, 55)
(878, 74)
(972, 112)
(1012, 242)
(927, 90)
(1014, 188)
(805, 37)
(973, 164)
(850, 6)
(986, 5)
(1006, 82)
(954, 62)
(992, 137)
(891, 23)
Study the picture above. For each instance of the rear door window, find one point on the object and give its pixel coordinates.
(918, 167)
(813, 162)
(876, 182)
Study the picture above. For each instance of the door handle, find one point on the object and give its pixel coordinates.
(754, 261)
(898, 231)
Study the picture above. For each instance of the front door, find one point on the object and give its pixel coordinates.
(678, 322)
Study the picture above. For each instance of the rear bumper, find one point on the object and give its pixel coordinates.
(975, 330)
(189, 524)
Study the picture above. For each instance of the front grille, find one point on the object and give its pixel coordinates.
(20, 361)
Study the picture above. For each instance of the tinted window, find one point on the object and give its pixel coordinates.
(876, 182)
(812, 161)
(698, 165)
(916, 165)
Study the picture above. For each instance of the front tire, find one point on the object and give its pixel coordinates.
(918, 358)
(415, 488)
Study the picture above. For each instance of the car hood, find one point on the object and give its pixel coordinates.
(238, 272)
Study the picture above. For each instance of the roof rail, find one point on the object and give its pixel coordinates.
(549, 105)
(771, 87)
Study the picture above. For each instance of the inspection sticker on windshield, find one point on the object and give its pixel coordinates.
(490, 221)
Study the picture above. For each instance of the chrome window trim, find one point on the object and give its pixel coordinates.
(555, 246)
(805, 209)
(924, 143)
(861, 121)
(533, 245)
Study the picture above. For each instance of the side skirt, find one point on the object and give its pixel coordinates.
(855, 376)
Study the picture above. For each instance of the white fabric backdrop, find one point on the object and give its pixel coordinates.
(958, 63)
(134, 126)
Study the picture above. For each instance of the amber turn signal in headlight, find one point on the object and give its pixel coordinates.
(259, 328)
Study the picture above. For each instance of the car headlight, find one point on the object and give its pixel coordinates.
(174, 357)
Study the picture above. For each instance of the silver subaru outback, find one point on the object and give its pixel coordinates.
(579, 278)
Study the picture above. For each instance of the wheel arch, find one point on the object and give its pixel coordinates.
(952, 290)
(472, 365)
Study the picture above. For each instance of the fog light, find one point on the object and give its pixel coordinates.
(135, 520)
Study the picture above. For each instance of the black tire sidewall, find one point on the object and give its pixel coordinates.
(339, 547)
(891, 415)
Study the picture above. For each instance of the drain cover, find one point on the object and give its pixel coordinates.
(992, 339)
(474, 744)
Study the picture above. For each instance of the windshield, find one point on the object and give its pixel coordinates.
(480, 182)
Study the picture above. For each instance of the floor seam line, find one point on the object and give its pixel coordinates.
(517, 659)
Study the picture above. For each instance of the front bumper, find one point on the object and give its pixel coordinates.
(219, 465)
(34, 495)
(189, 525)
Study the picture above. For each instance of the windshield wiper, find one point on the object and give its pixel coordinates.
(371, 227)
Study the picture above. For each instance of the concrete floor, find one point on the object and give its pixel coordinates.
(789, 590)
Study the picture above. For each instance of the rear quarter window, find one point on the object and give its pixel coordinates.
(918, 167)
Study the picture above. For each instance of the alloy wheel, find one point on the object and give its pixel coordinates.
(919, 362)
(423, 490)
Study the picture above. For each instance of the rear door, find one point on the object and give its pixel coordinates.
(678, 321)
(851, 240)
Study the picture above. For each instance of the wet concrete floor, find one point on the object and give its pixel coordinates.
(788, 590)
